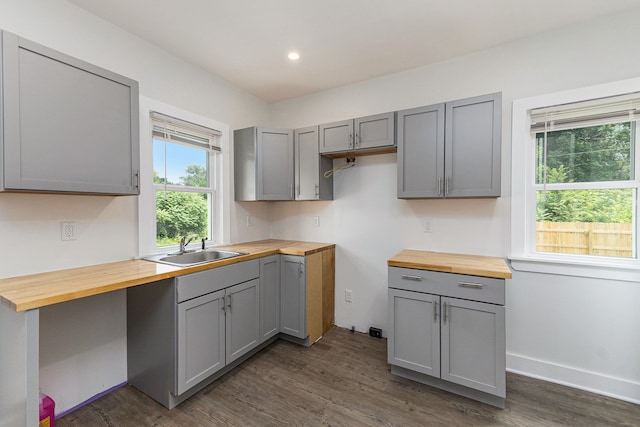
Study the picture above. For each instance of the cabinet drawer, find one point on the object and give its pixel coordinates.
(203, 282)
(475, 288)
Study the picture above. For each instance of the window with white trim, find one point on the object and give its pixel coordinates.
(185, 162)
(583, 196)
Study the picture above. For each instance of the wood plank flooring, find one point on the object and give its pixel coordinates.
(344, 380)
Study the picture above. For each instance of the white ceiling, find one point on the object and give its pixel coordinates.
(340, 41)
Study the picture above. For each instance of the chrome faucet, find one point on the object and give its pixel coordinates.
(184, 242)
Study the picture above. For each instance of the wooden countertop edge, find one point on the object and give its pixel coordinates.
(11, 288)
(474, 265)
(445, 269)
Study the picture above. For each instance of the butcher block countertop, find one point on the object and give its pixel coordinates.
(39, 290)
(474, 265)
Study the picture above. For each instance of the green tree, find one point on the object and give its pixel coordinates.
(590, 154)
(196, 176)
(181, 213)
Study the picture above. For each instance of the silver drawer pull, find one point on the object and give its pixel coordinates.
(471, 285)
(409, 277)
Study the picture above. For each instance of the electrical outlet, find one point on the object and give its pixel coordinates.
(249, 221)
(68, 230)
(426, 225)
(348, 295)
(316, 221)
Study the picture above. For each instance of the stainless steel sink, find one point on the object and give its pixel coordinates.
(194, 258)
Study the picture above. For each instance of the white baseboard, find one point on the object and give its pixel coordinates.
(584, 380)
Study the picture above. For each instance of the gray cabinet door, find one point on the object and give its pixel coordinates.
(269, 297)
(420, 151)
(243, 319)
(69, 126)
(307, 164)
(473, 345)
(293, 296)
(336, 136)
(201, 343)
(375, 131)
(414, 331)
(472, 147)
(275, 164)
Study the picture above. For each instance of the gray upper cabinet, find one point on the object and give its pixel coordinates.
(310, 166)
(263, 164)
(67, 126)
(364, 133)
(420, 150)
(450, 149)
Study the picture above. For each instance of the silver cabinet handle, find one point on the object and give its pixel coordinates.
(471, 285)
(409, 277)
(317, 190)
(446, 186)
(351, 140)
(435, 310)
(439, 185)
(224, 303)
(356, 142)
(444, 313)
(229, 303)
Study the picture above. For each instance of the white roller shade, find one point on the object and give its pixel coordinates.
(172, 129)
(618, 109)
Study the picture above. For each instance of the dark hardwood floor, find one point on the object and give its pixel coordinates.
(344, 380)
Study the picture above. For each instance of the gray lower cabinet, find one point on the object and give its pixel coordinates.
(358, 134)
(67, 126)
(269, 297)
(182, 331)
(451, 149)
(293, 296)
(310, 167)
(201, 339)
(263, 164)
(439, 337)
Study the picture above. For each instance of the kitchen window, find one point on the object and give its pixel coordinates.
(575, 201)
(185, 163)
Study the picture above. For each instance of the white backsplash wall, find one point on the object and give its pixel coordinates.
(369, 224)
(93, 359)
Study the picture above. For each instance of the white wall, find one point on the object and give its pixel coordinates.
(567, 329)
(83, 344)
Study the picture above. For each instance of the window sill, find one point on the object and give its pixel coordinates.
(615, 269)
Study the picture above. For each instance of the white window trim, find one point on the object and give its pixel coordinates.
(522, 254)
(146, 200)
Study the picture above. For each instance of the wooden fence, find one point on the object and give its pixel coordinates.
(586, 238)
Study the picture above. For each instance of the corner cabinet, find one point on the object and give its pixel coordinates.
(310, 167)
(307, 295)
(263, 164)
(269, 297)
(371, 133)
(451, 149)
(67, 126)
(448, 331)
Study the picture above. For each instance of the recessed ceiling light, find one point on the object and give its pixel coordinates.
(294, 56)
